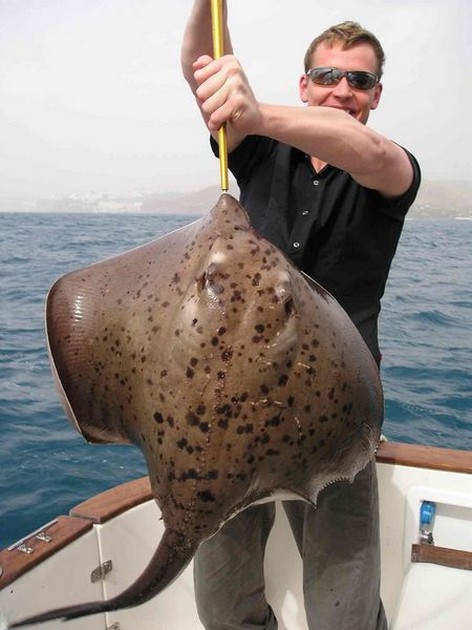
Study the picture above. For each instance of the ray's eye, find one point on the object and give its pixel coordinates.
(289, 307)
(210, 281)
(201, 281)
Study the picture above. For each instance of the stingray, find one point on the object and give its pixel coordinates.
(238, 377)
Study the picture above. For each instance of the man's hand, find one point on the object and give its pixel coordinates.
(225, 97)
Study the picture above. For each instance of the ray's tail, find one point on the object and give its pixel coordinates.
(169, 560)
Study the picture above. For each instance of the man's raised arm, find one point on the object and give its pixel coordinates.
(198, 41)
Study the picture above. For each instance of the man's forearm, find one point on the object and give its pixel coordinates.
(337, 139)
(198, 40)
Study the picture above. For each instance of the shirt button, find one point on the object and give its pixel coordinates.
(296, 244)
(316, 182)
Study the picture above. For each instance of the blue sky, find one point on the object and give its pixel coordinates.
(91, 96)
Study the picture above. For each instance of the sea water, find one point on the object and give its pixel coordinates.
(46, 467)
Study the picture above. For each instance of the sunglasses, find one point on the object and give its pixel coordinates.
(357, 79)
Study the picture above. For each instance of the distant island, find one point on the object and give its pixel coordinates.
(443, 199)
(436, 200)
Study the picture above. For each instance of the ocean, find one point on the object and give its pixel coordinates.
(46, 467)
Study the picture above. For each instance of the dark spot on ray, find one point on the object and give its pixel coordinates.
(206, 496)
(283, 380)
(191, 473)
(227, 355)
(256, 279)
(273, 422)
(158, 417)
(192, 419)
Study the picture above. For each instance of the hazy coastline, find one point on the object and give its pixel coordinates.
(436, 200)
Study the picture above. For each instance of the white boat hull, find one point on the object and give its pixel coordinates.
(123, 526)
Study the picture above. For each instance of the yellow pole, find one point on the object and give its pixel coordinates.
(218, 50)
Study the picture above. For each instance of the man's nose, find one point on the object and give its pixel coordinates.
(343, 89)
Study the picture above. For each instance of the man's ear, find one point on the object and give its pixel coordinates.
(303, 88)
(378, 91)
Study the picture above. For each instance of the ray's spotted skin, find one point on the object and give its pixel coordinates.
(239, 378)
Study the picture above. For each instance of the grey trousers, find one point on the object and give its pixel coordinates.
(338, 542)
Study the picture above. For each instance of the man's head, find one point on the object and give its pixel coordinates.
(349, 48)
(347, 34)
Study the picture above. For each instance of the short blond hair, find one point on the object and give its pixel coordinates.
(349, 34)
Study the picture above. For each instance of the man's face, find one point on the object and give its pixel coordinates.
(356, 102)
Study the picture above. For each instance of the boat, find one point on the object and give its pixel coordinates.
(103, 544)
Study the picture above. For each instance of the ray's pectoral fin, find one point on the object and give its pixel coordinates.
(236, 375)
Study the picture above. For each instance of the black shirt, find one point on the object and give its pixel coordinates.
(340, 233)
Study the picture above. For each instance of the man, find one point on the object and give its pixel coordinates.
(332, 194)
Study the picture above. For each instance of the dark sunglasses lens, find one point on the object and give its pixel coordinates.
(325, 76)
(361, 80)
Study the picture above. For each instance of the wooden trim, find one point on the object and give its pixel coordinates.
(111, 503)
(446, 557)
(63, 531)
(419, 456)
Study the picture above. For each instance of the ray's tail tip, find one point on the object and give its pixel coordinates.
(60, 615)
(23, 623)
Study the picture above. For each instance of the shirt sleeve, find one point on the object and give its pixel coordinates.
(397, 207)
